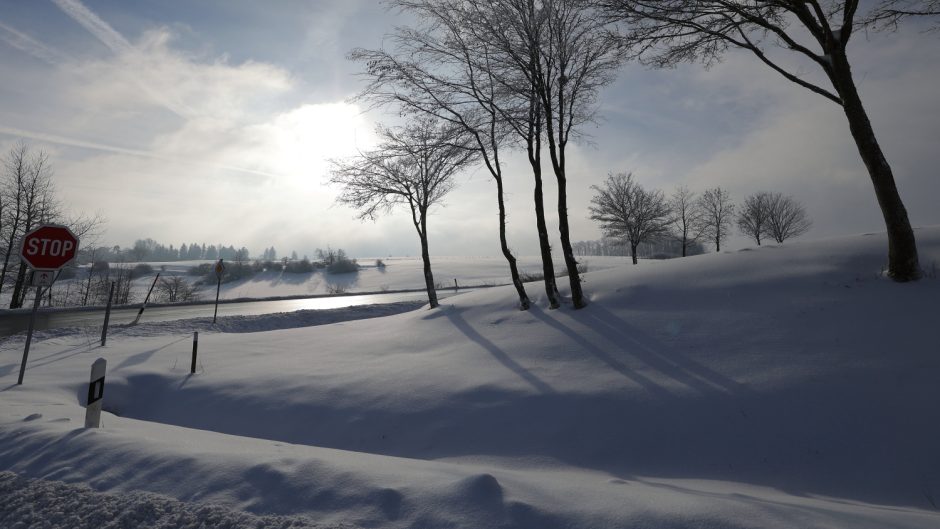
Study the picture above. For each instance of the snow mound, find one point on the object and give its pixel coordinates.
(38, 504)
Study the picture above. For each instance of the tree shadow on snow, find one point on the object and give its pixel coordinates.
(660, 356)
(501, 356)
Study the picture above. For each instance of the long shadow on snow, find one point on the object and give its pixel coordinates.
(819, 437)
(461, 324)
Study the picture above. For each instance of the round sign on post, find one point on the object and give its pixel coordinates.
(49, 247)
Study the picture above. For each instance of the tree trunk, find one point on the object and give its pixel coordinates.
(19, 293)
(426, 257)
(534, 151)
(718, 244)
(633, 252)
(504, 246)
(574, 277)
(903, 263)
(6, 263)
(548, 267)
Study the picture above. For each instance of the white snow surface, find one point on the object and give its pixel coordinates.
(777, 387)
(400, 273)
(40, 504)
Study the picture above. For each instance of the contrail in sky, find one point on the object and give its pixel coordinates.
(24, 42)
(72, 142)
(116, 42)
(97, 27)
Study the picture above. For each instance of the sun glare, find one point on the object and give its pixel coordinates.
(300, 143)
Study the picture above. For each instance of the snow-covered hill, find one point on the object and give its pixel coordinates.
(781, 386)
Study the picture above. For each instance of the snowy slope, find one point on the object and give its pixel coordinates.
(782, 386)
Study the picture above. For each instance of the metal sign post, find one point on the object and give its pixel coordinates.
(219, 270)
(29, 335)
(95, 394)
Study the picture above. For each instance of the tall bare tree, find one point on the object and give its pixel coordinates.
(414, 166)
(717, 215)
(786, 217)
(433, 70)
(628, 211)
(33, 205)
(16, 175)
(754, 216)
(816, 32)
(506, 32)
(565, 53)
(686, 218)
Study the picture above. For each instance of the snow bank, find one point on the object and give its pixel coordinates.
(783, 386)
(38, 504)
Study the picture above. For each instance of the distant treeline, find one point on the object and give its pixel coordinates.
(663, 248)
(151, 250)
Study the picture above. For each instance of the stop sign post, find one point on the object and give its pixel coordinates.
(45, 249)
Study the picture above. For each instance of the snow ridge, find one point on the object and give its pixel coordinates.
(40, 504)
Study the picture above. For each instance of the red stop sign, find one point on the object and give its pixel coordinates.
(49, 247)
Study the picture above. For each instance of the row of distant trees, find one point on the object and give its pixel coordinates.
(477, 78)
(629, 212)
(662, 248)
(151, 250)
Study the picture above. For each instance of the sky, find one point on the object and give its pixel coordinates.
(214, 121)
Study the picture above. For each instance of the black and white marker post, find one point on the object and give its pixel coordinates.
(95, 394)
(219, 270)
(192, 366)
(146, 299)
(107, 316)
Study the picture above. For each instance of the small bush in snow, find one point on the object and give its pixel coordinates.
(343, 266)
(142, 269)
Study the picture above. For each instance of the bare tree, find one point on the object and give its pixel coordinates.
(415, 166)
(35, 204)
(628, 211)
(16, 167)
(175, 289)
(786, 217)
(889, 13)
(816, 32)
(717, 215)
(564, 53)
(686, 218)
(434, 70)
(754, 217)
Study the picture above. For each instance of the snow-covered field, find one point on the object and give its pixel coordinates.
(777, 387)
(400, 273)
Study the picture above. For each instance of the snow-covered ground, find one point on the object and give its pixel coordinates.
(400, 273)
(777, 387)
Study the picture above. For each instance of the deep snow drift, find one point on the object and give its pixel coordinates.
(782, 386)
